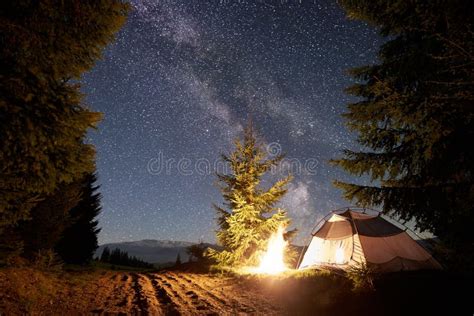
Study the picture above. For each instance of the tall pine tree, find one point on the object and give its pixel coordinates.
(415, 117)
(79, 241)
(45, 47)
(177, 263)
(249, 215)
(105, 257)
(48, 220)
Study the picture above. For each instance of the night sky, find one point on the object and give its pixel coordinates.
(182, 79)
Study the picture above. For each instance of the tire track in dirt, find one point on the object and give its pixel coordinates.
(112, 295)
(148, 295)
(201, 302)
(169, 302)
(140, 302)
(175, 293)
(121, 292)
(188, 282)
(235, 305)
(235, 297)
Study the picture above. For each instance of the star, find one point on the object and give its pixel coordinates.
(181, 81)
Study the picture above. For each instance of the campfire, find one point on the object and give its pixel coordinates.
(272, 261)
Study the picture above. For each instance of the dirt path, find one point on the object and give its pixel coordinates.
(106, 292)
(174, 293)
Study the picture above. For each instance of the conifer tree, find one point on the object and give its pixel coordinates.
(178, 260)
(105, 257)
(249, 215)
(79, 240)
(49, 218)
(196, 252)
(45, 47)
(415, 116)
(118, 256)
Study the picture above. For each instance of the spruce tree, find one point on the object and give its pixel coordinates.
(45, 47)
(415, 116)
(249, 215)
(118, 257)
(49, 218)
(178, 260)
(196, 252)
(79, 241)
(105, 257)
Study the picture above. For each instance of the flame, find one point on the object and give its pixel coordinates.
(340, 255)
(272, 260)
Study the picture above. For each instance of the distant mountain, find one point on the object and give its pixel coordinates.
(153, 251)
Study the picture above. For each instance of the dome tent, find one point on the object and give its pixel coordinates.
(351, 238)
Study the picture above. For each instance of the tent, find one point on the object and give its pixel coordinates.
(350, 238)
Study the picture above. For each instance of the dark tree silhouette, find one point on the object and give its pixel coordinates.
(415, 116)
(49, 219)
(43, 121)
(79, 240)
(178, 260)
(196, 252)
(105, 257)
(119, 257)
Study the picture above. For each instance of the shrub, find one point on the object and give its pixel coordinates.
(362, 277)
(47, 259)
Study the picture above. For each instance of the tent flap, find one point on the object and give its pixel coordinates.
(335, 230)
(375, 227)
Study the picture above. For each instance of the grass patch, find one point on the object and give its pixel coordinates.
(30, 288)
(247, 272)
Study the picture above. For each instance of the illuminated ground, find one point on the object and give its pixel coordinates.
(173, 293)
(132, 293)
(106, 292)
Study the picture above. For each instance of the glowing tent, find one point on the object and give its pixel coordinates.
(351, 238)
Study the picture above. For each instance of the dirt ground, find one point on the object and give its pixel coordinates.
(129, 293)
(106, 292)
(176, 293)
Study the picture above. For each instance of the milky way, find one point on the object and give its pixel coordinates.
(182, 79)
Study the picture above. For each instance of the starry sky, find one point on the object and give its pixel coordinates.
(182, 79)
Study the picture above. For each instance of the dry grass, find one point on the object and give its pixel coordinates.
(39, 291)
(30, 289)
